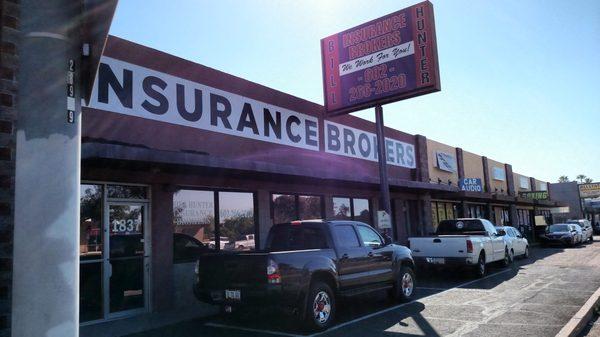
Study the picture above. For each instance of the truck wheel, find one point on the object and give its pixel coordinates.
(404, 285)
(526, 255)
(320, 308)
(480, 267)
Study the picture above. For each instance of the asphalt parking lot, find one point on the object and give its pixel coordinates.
(534, 297)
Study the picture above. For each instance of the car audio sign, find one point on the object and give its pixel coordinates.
(382, 61)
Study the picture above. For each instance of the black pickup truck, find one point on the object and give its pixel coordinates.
(305, 267)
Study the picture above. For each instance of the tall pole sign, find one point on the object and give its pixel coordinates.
(382, 61)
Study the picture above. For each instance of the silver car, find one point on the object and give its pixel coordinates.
(516, 243)
(587, 232)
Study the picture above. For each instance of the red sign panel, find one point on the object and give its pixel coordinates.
(382, 61)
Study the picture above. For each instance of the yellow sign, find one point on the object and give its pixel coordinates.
(589, 190)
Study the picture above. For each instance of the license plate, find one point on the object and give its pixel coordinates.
(436, 260)
(233, 295)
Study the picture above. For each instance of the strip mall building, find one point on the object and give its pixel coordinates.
(171, 146)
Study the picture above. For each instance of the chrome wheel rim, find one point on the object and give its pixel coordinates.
(526, 252)
(407, 284)
(321, 307)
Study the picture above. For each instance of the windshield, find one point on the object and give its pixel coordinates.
(558, 228)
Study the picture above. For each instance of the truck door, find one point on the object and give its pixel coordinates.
(352, 257)
(379, 256)
(497, 241)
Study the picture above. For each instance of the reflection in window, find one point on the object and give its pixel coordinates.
(90, 225)
(194, 215)
(236, 220)
(341, 208)
(284, 208)
(126, 192)
(309, 207)
(289, 207)
(361, 210)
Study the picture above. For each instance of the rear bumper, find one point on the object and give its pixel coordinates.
(448, 261)
(263, 296)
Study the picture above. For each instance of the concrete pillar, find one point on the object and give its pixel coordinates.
(513, 217)
(264, 216)
(460, 163)
(46, 236)
(329, 206)
(162, 247)
(532, 184)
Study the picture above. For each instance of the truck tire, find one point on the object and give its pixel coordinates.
(320, 306)
(404, 285)
(480, 267)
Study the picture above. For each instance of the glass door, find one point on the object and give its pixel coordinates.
(126, 265)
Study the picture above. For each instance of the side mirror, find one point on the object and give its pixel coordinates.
(501, 232)
(387, 239)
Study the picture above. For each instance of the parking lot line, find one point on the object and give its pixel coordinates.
(341, 325)
(234, 327)
(401, 305)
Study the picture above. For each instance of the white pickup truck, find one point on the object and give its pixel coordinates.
(467, 242)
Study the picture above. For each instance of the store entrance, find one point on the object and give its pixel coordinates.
(114, 247)
(126, 265)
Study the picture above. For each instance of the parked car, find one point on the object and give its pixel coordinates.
(306, 267)
(187, 248)
(462, 242)
(562, 233)
(516, 243)
(586, 229)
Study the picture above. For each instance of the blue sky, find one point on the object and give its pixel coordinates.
(519, 78)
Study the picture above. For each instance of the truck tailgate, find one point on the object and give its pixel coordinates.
(439, 246)
(232, 270)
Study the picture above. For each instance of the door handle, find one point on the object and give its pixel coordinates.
(345, 256)
(370, 254)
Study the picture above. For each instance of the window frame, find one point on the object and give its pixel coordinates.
(352, 215)
(216, 206)
(296, 204)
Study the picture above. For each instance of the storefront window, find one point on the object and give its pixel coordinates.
(289, 207)
(194, 215)
(361, 210)
(441, 211)
(309, 207)
(236, 220)
(341, 208)
(90, 253)
(284, 208)
(90, 225)
(126, 192)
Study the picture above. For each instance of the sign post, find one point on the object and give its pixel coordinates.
(384, 200)
(382, 61)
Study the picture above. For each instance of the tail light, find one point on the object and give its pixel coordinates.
(469, 246)
(273, 276)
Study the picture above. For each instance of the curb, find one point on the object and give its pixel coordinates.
(581, 318)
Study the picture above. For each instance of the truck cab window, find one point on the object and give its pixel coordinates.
(345, 236)
(369, 237)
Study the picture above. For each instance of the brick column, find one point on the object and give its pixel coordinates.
(425, 221)
(422, 173)
(9, 56)
(532, 184)
(486, 175)
(510, 181)
(460, 164)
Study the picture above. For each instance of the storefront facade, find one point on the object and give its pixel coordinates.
(175, 153)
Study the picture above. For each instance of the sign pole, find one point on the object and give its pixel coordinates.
(384, 198)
